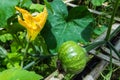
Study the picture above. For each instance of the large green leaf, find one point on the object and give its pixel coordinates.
(7, 9)
(97, 2)
(61, 27)
(19, 74)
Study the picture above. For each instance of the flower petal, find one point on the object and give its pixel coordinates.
(33, 24)
(22, 22)
(26, 15)
(41, 18)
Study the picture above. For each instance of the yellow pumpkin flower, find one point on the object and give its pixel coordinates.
(33, 24)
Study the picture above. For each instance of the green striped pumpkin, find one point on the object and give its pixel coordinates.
(73, 57)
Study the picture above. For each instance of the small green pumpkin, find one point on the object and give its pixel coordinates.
(72, 57)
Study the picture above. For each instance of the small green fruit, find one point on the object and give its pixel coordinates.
(73, 57)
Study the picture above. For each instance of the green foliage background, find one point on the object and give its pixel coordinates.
(63, 24)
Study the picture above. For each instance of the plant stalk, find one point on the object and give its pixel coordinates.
(29, 65)
(112, 47)
(24, 54)
(115, 32)
(111, 21)
(94, 45)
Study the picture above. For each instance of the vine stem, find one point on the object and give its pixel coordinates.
(29, 65)
(112, 47)
(24, 54)
(94, 45)
(111, 20)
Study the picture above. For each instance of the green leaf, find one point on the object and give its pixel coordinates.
(77, 13)
(13, 60)
(37, 7)
(6, 37)
(15, 27)
(99, 30)
(15, 46)
(48, 5)
(40, 46)
(7, 9)
(97, 2)
(3, 52)
(59, 29)
(19, 74)
(26, 3)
